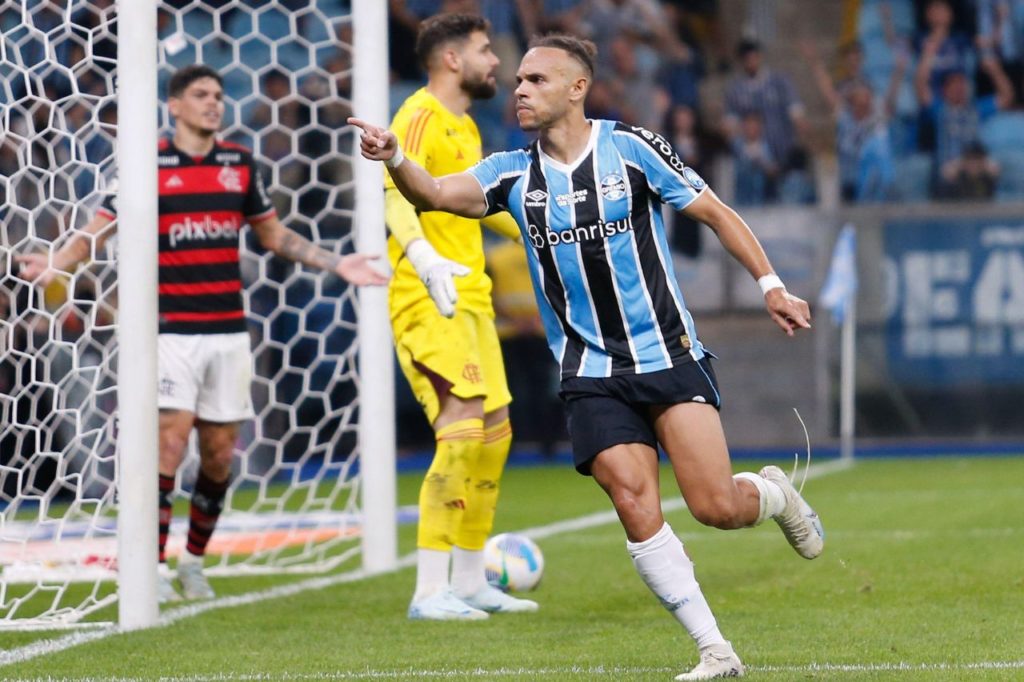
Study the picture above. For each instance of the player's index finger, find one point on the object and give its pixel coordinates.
(359, 123)
(799, 320)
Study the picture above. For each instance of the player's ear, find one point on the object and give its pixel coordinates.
(451, 59)
(174, 105)
(578, 89)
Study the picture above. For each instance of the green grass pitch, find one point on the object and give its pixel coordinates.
(922, 578)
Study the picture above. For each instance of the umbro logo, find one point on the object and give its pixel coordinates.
(536, 198)
(174, 181)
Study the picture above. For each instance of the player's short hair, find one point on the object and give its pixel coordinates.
(187, 75)
(583, 51)
(949, 74)
(746, 46)
(442, 29)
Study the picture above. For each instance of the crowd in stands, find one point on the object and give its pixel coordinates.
(923, 95)
(923, 100)
(936, 83)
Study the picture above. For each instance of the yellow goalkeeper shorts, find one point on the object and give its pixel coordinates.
(460, 355)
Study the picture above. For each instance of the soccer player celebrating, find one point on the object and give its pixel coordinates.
(444, 328)
(207, 189)
(587, 197)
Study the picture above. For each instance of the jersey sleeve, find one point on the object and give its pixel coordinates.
(257, 202)
(415, 129)
(497, 174)
(666, 174)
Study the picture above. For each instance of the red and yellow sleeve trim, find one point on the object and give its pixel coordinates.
(414, 133)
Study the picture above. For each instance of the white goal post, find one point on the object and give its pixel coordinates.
(313, 485)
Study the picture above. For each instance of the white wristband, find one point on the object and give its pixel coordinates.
(397, 159)
(769, 282)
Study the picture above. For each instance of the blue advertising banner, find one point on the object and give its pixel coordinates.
(955, 301)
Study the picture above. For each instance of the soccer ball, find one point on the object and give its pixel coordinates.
(513, 562)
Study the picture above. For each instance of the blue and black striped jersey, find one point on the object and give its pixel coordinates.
(595, 241)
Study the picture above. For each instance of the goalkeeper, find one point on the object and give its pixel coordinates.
(444, 329)
(207, 189)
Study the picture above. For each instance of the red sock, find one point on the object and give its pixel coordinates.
(166, 511)
(207, 503)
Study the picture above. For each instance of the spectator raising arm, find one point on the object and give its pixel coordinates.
(991, 66)
(822, 78)
(922, 77)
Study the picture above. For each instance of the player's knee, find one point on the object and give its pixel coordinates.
(634, 505)
(717, 511)
(443, 490)
(172, 445)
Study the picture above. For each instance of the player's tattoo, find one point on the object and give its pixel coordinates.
(297, 248)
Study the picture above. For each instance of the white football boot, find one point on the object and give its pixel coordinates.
(715, 662)
(493, 600)
(444, 605)
(799, 523)
(194, 584)
(165, 592)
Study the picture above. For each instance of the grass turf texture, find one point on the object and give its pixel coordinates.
(922, 565)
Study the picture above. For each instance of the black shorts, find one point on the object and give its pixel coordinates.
(608, 411)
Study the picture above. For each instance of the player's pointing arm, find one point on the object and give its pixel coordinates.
(459, 193)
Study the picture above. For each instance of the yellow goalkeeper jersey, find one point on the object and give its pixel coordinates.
(442, 143)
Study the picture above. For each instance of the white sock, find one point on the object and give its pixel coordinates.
(467, 572)
(431, 573)
(188, 557)
(668, 572)
(772, 499)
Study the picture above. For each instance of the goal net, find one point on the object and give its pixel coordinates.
(293, 502)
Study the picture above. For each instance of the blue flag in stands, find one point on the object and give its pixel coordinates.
(841, 282)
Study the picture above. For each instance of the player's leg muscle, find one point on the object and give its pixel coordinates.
(628, 473)
(217, 447)
(443, 495)
(175, 427)
(485, 481)
(692, 436)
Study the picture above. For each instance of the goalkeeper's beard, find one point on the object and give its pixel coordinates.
(482, 89)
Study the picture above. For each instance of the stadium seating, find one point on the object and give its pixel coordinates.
(1003, 135)
(1003, 131)
(913, 177)
(1011, 180)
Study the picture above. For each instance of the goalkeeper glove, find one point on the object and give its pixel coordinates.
(437, 273)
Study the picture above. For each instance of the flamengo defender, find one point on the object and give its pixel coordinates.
(208, 188)
(587, 197)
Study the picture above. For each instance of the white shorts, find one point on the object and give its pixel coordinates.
(206, 374)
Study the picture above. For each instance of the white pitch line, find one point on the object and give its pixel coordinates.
(901, 666)
(52, 646)
(585, 672)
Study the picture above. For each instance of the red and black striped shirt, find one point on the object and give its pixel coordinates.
(203, 203)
